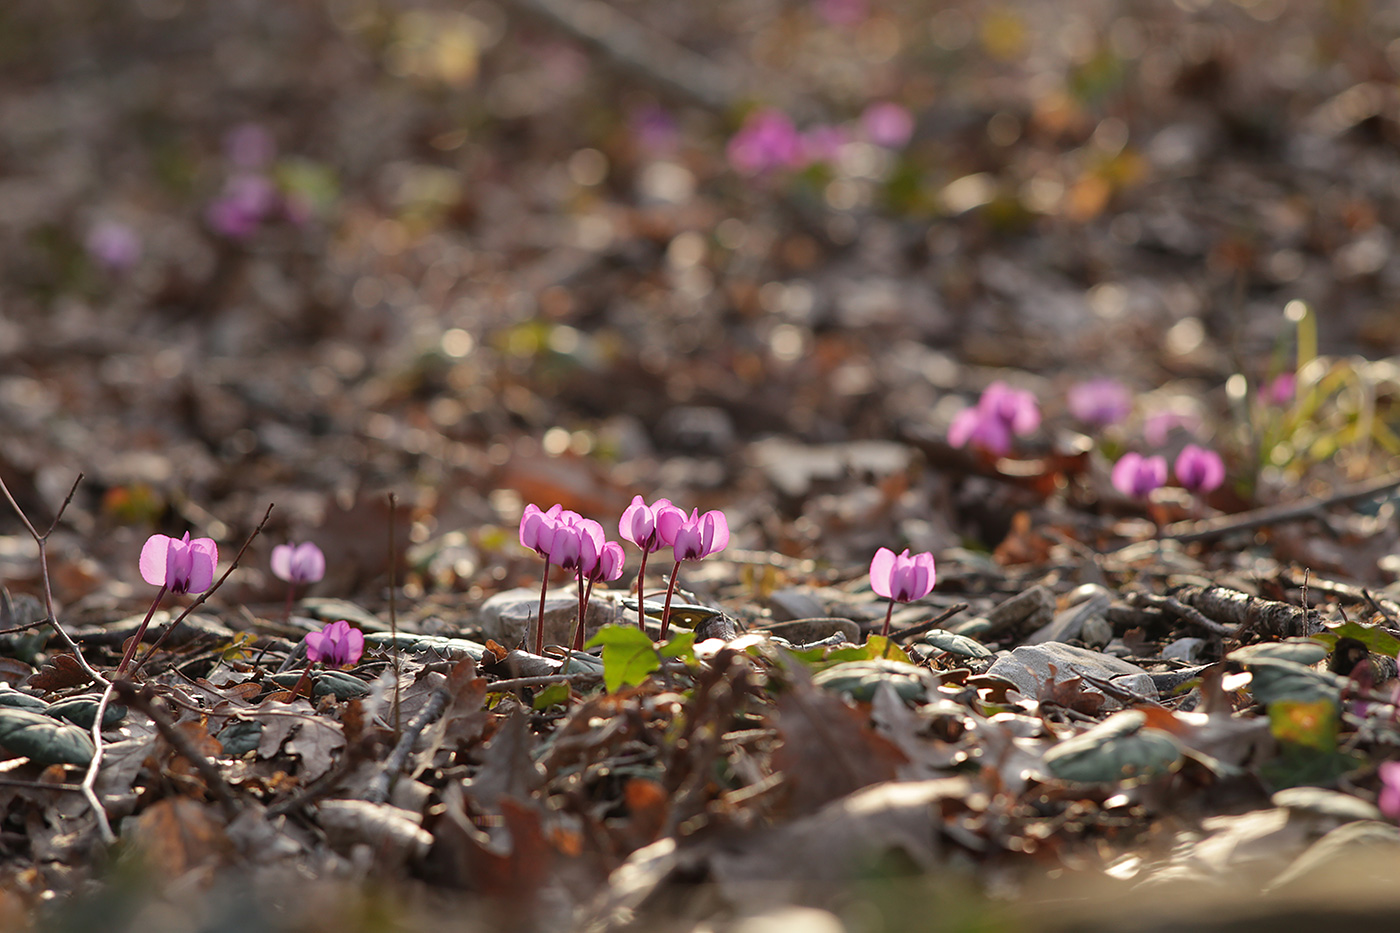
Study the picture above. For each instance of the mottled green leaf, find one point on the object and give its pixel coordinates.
(552, 695)
(1118, 749)
(860, 679)
(1375, 638)
(43, 739)
(960, 645)
(240, 737)
(1298, 650)
(81, 711)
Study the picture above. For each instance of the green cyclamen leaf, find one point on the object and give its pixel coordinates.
(628, 655)
(681, 646)
(43, 739)
(1375, 638)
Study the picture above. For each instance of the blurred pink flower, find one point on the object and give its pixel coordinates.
(766, 142)
(298, 563)
(1100, 402)
(1199, 469)
(888, 124)
(1281, 389)
(654, 129)
(1001, 412)
(1159, 425)
(242, 206)
(1389, 801)
(1136, 476)
(843, 12)
(113, 245)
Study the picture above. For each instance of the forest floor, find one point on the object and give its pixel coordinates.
(398, 270)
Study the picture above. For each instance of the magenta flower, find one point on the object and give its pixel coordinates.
(843, 12)
(176, 565)
(246, 201)
(1136, 476)
(1001, 412)
(1199, 469)
(767, 141)
(336, 645)
(1280, 390)
(900, 578)
(537, 528)
(638, 525)
(1100, 402)
(654, 129)
(113, 245)
(888, 125)
(298, 564)
(1389, 800)
(695, 537)
(179, 564)
(690, 538)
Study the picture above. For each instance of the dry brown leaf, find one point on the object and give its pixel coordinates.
(179, 834)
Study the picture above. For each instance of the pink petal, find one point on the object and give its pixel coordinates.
(153, 559)
(881, 571)
(282, 562)
(204, 557)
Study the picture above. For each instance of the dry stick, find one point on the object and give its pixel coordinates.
(1277, 514)
(89, 784)
(134, 696)
(378, 790)
(202, 596)
(393, 613)
(543, 680)
(42, 540)
(930, 625)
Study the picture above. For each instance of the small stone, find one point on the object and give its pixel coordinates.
(795, 603)
(1184, 649)
(1069, 624)
(1029, 667)
(807, 631)
(506, 617)
(1030, 608)
(1097, 632)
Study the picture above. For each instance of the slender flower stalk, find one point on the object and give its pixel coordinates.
(900, 578)
(691, 538)
(176, 565)
(638, 525)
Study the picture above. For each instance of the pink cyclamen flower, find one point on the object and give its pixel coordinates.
(1001, 412)
(888, 124)
(298, 563)
(179, 564)
(113, 245)
(335, 645)
(901, 577)
(767, 141)
(246, 201)
(1280, 390)
(611, 560)
(537, 528)
(695, 537)
(1135, 475)
(1389, 801)
(1199, 469)
(823, 144)
(1100, 402)
(638, 523)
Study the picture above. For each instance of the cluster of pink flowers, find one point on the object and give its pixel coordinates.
(1000, 413)
(566, 539)
(1197, 468)
(770, 142)
(251, 197)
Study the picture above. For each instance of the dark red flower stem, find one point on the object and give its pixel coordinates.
(301, 681)
(577, 640)
(539, 622)
(587, 600)
(885, 631)
(641, 599)
(140, 632)
(287, 612)
(666, 613)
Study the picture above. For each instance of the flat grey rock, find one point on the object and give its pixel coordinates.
(506, 617)
(1029, 668)
(1069, 624)
(795, 603)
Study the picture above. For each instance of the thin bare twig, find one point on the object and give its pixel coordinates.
(378, 790)
(543, 680)
(42, 540)
(1277, 514)
(89, 785)
(936, 622)
(202, 596)
(393, 610)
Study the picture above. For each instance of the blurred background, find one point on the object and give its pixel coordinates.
(751, 254)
